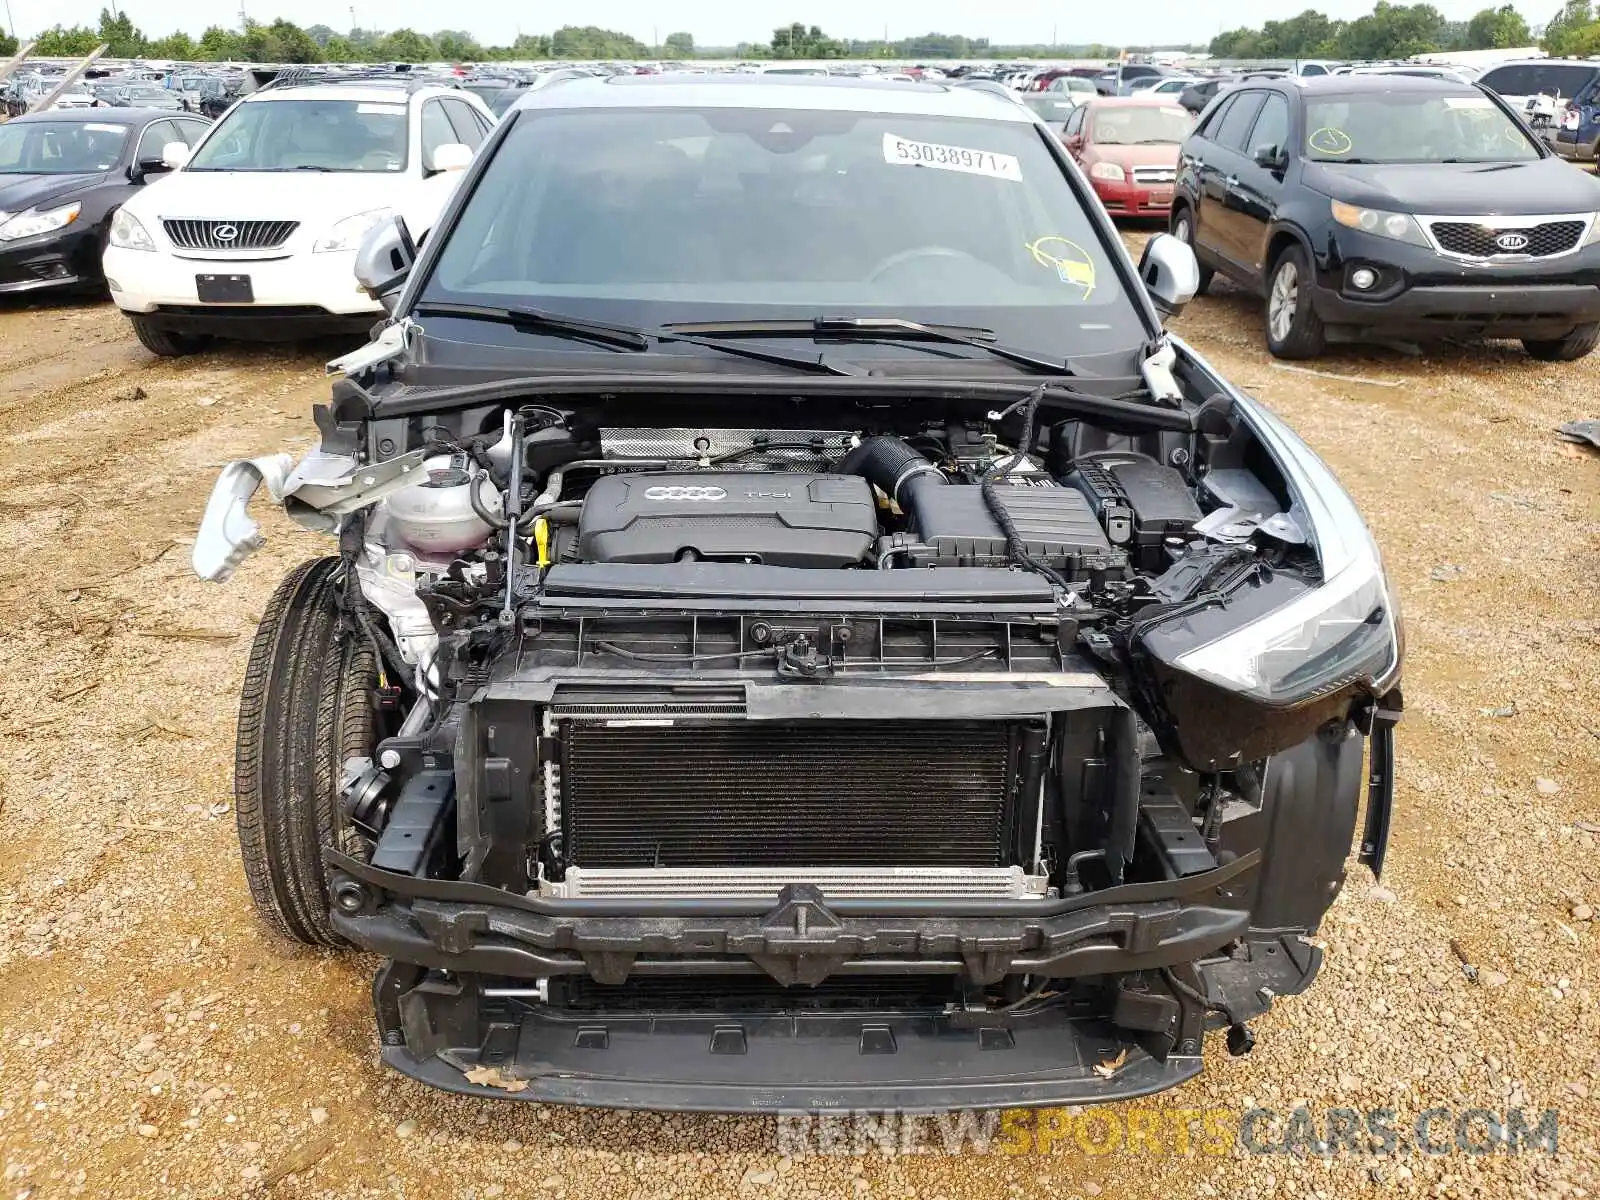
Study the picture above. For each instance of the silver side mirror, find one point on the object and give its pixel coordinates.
(1170, 272)
(384, 260)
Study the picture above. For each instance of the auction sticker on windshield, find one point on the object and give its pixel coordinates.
(906, 152)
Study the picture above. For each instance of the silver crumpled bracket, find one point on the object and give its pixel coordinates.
(228, 533)
(323, 487)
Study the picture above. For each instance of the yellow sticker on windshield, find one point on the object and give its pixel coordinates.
(1070, 261)
(1329, 140)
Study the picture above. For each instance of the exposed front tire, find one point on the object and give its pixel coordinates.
(1183, 230)
(1293, 328)
(1577, 344)
(306, 706)
(163, 341)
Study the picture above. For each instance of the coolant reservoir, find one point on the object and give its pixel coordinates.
(437, 516)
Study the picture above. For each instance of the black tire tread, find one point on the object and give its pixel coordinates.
(305, 706)
(163, 342)
(1579, 343)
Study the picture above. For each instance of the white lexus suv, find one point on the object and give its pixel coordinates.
(253, 234)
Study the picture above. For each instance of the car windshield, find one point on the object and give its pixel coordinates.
(307, 135)
(1140, 124)
(148, 93)
(1531, 79)
(59, 147)
(658, 215)
(1413, 127)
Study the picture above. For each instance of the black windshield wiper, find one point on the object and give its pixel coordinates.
(623, 337)
(884, 329)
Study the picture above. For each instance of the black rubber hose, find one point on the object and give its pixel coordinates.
(350, 548)
(890, 464)
(997, 509)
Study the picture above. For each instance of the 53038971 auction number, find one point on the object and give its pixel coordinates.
(907, 152)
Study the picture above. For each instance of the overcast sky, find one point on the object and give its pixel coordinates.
(727, 22)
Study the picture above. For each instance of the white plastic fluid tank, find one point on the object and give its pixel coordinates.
(437, 515)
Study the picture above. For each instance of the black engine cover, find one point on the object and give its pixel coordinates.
(779, 518)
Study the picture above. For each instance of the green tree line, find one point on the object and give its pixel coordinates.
(284, 41)
(1392, 31)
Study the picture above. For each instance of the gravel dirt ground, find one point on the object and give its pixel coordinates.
(155, 1040)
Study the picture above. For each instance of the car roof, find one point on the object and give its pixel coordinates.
(96, 116)
(833, 93)
(1545, 62)
(1137, 100)
(365, 93)
(1373, 84)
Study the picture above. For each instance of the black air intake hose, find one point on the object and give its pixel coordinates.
(892, 466)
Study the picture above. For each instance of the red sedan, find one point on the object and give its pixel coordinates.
(1128, 146)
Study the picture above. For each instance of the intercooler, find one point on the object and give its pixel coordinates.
(673, 808)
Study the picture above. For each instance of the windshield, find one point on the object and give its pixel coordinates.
(290, 135)
(702, 215)
(59, 147)
(1530, 79)
(1140, 125)
(1411, 127)
(148, 93)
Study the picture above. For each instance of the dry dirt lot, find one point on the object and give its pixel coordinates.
(156, 1041)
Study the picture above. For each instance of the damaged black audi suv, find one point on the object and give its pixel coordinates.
(801, 635)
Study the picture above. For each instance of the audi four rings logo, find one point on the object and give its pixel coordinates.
(684, 492)
(1512, 242)
(225, 233)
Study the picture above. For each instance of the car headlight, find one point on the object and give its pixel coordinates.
(128, 233)
(347, 234)
(36, 221)
(1594, 231)
(1346, 629)
(1107, 170)
(1402, 227)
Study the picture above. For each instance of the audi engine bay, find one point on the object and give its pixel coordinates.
(860, 706)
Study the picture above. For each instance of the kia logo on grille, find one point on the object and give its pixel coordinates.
(681, 492)
(1511, 243)
(226, 233)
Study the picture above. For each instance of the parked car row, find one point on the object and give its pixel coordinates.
(1359, 205)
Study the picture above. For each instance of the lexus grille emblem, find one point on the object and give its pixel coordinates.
(682, 492)
(225, 233)
(1512, 242)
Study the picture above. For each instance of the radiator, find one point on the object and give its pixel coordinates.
(742, 794)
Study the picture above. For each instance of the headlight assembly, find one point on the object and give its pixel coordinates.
(128, 233)
(36, 221)
(1107, 170)
(347, 234)
(1344, 630)
(1402, 227)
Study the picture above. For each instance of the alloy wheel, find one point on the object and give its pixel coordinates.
(1283, 302)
